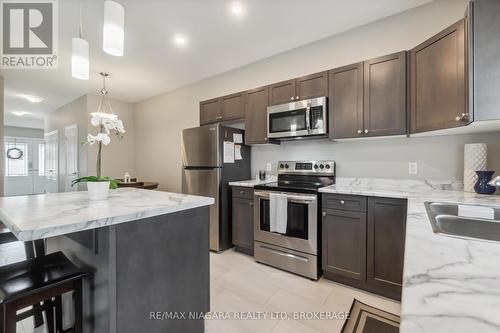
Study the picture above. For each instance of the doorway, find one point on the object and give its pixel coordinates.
(24, 166)
(52, 162)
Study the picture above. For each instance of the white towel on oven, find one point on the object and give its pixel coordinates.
(278, 209)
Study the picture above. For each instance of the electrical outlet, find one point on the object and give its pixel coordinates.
(412, 168)
(269, 167)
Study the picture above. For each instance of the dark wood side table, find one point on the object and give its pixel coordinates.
(137, 184)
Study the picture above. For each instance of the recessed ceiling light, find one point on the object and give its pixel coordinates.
(237, 8)
(180, 40)
(20, 113)
(31, 98)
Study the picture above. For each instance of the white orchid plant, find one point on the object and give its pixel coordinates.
(107, 123)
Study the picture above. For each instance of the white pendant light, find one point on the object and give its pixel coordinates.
(80, 59)
(80, 55)
(113, 30)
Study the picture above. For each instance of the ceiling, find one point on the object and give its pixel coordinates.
(217, 42)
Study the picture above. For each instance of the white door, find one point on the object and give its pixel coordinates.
(24, 166)
(71, 144)
(39, 166)
(18, 155)
(51, 162)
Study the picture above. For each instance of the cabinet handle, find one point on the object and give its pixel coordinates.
(462, 117)
(323, 214)
(342, 202)
(366, 131)
(250, 203)
(360, 132)
(242, 192)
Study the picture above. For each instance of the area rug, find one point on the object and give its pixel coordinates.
(367, 319)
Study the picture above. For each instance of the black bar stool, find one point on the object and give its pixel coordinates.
(33, 281)
(6, 236)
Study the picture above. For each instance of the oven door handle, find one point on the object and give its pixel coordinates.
(291, 198)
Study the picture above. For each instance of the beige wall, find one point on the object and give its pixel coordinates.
(159, 120)
(2, 163)
(118, 157)
(72, 113)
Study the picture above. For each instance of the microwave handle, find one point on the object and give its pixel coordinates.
(308, 117)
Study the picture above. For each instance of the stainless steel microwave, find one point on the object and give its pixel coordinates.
(298, 119)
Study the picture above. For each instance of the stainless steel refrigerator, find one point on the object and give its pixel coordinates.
(208, 165)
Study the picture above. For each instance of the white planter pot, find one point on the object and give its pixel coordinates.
(98, 190)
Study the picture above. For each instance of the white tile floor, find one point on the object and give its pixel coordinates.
(239, 284)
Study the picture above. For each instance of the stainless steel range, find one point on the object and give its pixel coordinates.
(296, 249)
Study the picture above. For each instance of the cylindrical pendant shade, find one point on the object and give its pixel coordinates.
(80, 59)
(114, 28)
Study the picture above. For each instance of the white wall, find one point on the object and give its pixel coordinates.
(2, 163)
(23, 132)
(438, 158)
(159, 120)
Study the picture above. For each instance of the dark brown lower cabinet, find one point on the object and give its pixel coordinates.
(365, 248)
(344, 243)
(386, 244)
(242, 222)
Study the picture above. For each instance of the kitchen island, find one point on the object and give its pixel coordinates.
(147, 251)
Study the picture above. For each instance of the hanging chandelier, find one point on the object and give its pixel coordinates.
(105, 109)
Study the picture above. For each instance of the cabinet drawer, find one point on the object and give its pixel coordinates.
(354, 203)
(243, 192)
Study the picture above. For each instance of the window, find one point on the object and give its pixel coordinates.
(41, 159)
(16, 167)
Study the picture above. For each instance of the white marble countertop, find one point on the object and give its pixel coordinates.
(253, 182)
(47, 215)
(449, 284)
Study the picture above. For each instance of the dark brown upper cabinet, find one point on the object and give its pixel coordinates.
(306, 87)
(210, 111)
(282, 92)
(256, 115)
(311, 86)
(346, 101)
(233, 106)
(224, 108)
(439, 94)
(385, 95)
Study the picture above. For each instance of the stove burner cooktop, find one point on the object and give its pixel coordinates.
(302, 177)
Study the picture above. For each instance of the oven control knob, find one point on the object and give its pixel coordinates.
(315, 166)
(286, 166)
(321, 166)
(327, 166)
(281, 166)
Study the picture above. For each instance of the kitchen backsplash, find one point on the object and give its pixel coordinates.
(437, 157)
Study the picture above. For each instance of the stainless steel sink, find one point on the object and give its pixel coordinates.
(445, 219)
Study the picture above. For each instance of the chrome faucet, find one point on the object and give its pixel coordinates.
(495, 181)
